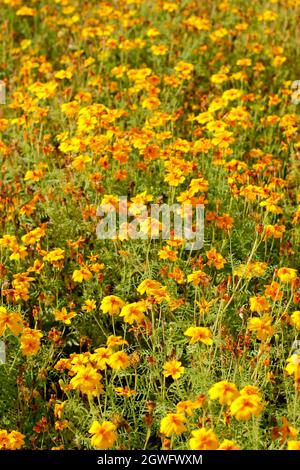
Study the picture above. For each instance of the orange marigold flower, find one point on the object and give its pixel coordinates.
(273, 290)
(13, 440)
(12, 321)
(30, 341)
(215, 259)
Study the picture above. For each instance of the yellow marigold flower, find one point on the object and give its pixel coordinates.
(119, 360)
(54, 255)
(205, 117)
(112, 304)
(13, 321)
(148, 286)
(79, 162)
(295, 319)
(261, 326)
(219, 78)
(30, 341)
(115, 341)
(254, 269)
(70, 109)
(167, 253)
(101, 357)
(64, 316)
(13, 440)
(250, 390)
(87, 380)
(198, 185)
(26, 11)
(89, 305)
(173, 368)
(170, 6)
(228, 445)
(184, 69)
(161, 295)
(286, 274)
(16, 440)
(200, 23)
(188, 406)
(232, 94)
(203, 439)
(61, 74)
(159, 49)
(19, 252)
(293, 445)
(152, 33)
(4, 439)
(124, 392)
(58, 409)
(33, 236)
(267, 15)
(173, 423)
(175, 177)
(204, 305)
(223, 139)
(134, 312)
(104, 434)
(83, 274)
(244, 62)
(293, 366)
(8, 241)
(199, 334)
(198, 277)
(224, 391)
(151, 103)
(259, 304)
(275, 231)
(246, 406)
